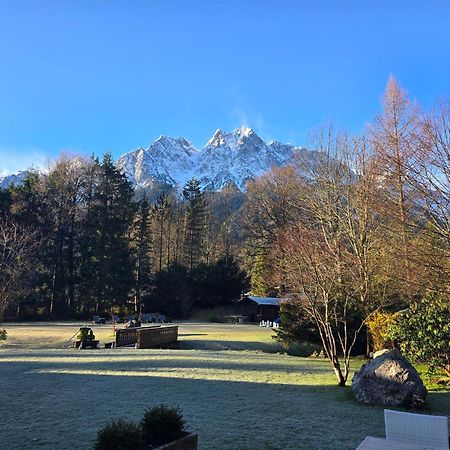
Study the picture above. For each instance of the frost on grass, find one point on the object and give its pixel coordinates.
(243, 399)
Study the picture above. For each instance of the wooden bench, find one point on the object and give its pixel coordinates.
(153, 337)
(126, 336)
(147, 337)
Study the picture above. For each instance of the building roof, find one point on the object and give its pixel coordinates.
(265, 300)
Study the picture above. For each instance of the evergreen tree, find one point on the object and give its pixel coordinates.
(5, 203)
(220, 283)
(141, 245)
(161, 216)
(171, 294)
(195, 223)
(111, 215)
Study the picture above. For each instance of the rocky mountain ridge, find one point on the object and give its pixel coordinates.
(227, 158)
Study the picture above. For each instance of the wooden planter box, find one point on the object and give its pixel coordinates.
(187, 442)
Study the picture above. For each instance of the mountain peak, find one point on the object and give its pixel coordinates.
(244, 131)
(231, 139)
(232, 157)
(217, 138)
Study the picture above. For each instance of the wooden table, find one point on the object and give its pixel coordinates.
(373, 443)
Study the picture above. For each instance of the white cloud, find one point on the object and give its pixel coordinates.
(14, 160)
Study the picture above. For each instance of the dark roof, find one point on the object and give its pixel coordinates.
(265, 300)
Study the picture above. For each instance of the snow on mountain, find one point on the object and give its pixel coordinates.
(14, 178)
(233, 157)
(167, 160)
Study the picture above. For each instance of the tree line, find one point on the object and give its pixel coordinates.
(90, 243)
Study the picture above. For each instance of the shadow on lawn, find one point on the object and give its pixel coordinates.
(192, 334)
(225, 414)
(228, 345)
(148, 362)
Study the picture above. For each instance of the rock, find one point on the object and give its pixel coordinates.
(389, 379)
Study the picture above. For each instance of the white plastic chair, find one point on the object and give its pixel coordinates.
(421, 430)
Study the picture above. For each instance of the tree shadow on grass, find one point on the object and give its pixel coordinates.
(228, 345)
(226, 415)
(192, 334)
(148, 361)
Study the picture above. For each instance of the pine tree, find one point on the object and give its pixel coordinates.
(195, 223)
(161, 218)
(141, 246)
(111, 215)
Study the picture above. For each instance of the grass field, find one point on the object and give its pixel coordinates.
(234, 390)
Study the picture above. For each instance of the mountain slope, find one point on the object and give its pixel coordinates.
(233, 157)
(14, 178)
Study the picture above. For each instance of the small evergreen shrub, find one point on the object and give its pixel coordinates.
(119, 435)
(3, 335)
(162, 424)
(85, 334)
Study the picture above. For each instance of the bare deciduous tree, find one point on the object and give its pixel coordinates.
(333, 252)
(16, 249)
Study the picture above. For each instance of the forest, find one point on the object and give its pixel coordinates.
(366, 228)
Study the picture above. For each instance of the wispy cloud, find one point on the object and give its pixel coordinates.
(245, 115)
(248, 117)
(14, 160)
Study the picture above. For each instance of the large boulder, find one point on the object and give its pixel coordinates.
(389, 379)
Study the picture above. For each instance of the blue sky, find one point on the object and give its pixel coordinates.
(87, 76)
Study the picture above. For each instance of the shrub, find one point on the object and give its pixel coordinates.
(119, 435)
(295, 325)
(85, 334)
(3, 335)
(303, 349)
(162, 424)
(378, 325)
(424, 332)
(213, 318)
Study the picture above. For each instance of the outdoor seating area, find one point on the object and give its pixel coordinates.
(410, 431)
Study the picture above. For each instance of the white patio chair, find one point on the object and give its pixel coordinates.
(421, 430)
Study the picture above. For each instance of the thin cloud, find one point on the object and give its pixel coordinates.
(15, 160)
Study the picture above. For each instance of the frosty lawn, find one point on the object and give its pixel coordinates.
(232, 393)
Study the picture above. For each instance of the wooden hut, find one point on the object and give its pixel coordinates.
(259, 308)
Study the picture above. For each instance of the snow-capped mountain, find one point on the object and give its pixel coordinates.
(14, 178)
(234, 157)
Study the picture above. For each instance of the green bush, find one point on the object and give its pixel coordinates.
(303, 349)
(3, 335)
(119, 435)
(295, 325)
(424, 332)
(85, 334)
(162, 424)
